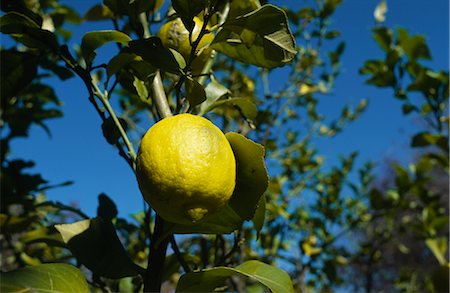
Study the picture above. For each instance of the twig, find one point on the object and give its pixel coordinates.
(179, 256)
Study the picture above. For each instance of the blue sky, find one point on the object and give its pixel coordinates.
(77, 150)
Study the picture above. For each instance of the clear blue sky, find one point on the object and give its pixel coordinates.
(77, 150)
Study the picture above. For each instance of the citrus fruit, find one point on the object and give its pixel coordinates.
(174, 35)
(186, 168)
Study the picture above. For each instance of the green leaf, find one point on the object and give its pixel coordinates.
(14, 224)
(423, 139)
(98, 12)
(95, 244)
(207, 280)
(224, 222)
(110, 131)
(252, 179)
(44, 235)
(44, 278)
(153, 51)
(214, 91)
(414, 46)
(187, 9)
(107, 209)
(383, 36)
(260, 215)
(195, 92)
(93, 40)
(247, 107)
(238, 8)
(438, 247)
(28, 32)
(329, 7)
(141, 89)
(18, 70)
(261, 37)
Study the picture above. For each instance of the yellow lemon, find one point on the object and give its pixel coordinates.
(174, 35)
(186, 168)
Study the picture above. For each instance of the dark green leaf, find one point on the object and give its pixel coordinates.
(426, 139)
(29, 33)
(110, 131)
(95, 244)
(260, 215)
(207, 280)
(329, 7)
(245, 105)
(224, 222)
(107, 209)
(252, 179)
(238, 8)
(383, 36)
(195, 92)
(98, 12)
(187, 9)
(153, 51)
(44, 278)
(261, 37)
(93, 40)
(18, 69)
(414, 46)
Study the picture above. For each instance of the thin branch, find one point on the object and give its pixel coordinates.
(179, 256)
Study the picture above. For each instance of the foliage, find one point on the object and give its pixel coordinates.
(292, 235)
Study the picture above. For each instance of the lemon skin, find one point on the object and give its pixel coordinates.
(174, 35)
(186, 169)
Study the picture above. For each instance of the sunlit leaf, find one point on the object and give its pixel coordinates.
(93, 40)
(261, 37)
(95, 244)
(44, 278)
(207, 280)
(252, 179)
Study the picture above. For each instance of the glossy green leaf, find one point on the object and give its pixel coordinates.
(93, 40)
(28, 32)
(18, 69)
(261, 37)
(252, 179)
(95, 244)
(44, 278)
(153, 51)
(195, 92)
(207, 280)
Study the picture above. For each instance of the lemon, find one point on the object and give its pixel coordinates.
(174, 35)
(186, 168)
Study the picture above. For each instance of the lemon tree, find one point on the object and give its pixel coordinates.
(184, 92)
